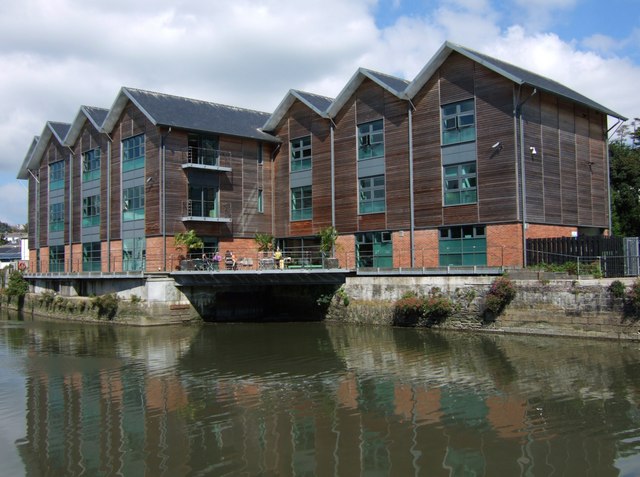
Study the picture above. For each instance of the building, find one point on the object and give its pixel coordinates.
(458, 167)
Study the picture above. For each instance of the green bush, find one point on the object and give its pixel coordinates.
(436, 308)
(408, 310)
(617, 289)
(17, 286)
(107, 305)
(501, 293)
(632, 304)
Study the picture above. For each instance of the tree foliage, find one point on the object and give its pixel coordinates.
(188, 240)
(624, 154)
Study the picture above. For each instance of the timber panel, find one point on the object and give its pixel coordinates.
(533, 163)
(346, 171)
(550, 159)
(585, 205)
(568, 171)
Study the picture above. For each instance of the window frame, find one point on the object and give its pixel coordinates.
(91, 211)
(301, 206)
(133, 203)
(455, 126)
(301, 154)
(91, 256)
(465, 194)
(260, 201)
(464, 239)
(371, 204)
(133, 153)
(56, 258)
(370, 145)
(56, 175)
(91, 165)
(56, 217)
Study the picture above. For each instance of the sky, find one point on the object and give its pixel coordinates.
(56, 55)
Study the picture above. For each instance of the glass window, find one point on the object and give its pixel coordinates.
(91, 211)
(301, 203)
(371, 140)
(133, 203)
(133, 153)
(91, 253)
(203, 150)
(460, 186)
(56, 217)
(458, 122)
(91, 165)
(463, 246)
(56, 258)
(56, 175)
(374, 249)
(372, 198)
(301, 153)
(202, 201)
(259, 154)
(260, 201)
(134, 254)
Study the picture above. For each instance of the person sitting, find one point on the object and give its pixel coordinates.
(277, 256)
(216, 260)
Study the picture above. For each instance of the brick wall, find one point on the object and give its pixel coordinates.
(426, 248)
(549, 231)
(504, 245)
(345, 251)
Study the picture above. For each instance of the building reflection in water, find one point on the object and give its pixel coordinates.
(323, 400)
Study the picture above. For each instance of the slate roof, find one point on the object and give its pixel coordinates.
(191, 114)
(9, 253)
(318, 104)
(87, 113)
(98, 115)
(52, 129)
(514, 73)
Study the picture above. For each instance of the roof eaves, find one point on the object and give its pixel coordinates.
(344, 95)
(23, 173)
(376, 78)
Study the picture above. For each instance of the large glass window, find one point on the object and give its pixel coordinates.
(56, 175)
(460, 184)
(371, 195)
(133, 153)
(91, 165)
(91, 252)
(56, 258)
(301, 153)
(374, 249)
(371, 140)
(203, 150)
(133, 203)
(202, 201)
(463, 246)
(56, 217)
(301, 203)
(458, 122)
(91, 211)
(134, 254)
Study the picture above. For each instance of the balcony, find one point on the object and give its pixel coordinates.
(207, 159)
(205, 211)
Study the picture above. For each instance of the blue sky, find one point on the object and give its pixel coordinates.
(56, 55)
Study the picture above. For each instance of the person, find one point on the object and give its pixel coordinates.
(216, 260)
(234, 261)
(277, 256)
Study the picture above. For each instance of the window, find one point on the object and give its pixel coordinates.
(371, 140)
(56, 258)
(91, 257)
(463, 246)
(260, 201)
(56, 217)
(458, 122)
(301, 154)
(371, 195)
(374, 249)
(301, 205)
(202, 201)
(91, 165)
(91, 211)
(56, 175)
(460, 184)
(203, 150)
(133, 203)
(134, 254)
(259, 154)
(133, 153)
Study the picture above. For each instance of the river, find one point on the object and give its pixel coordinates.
(312, 399)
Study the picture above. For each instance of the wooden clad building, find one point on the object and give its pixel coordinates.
(455, 168)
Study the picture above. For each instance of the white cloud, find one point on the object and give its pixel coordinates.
(14, 202)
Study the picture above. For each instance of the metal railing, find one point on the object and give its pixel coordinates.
(215, 158)
(206, 209)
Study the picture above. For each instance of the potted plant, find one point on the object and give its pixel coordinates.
(328, 237)
(187, 241)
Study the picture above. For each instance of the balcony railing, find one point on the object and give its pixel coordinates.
(205, 211)
(209, 159)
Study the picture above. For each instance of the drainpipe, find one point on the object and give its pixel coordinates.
(411, 204)
(333, 175)
(607, 159)
(163, 196)
(274, 153)
(108, 198)
(70, 209)
(518, 113)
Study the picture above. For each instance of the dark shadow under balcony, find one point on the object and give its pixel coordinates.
(205, 211)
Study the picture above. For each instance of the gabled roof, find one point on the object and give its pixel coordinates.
(394, 85)
(514, 73)
(316, 103)
(55, 130)
(190, 114)
(87, 113)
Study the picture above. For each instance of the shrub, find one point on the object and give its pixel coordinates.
(17, 286)
(501, 293)
(633, 298)
(46, 299)
(135, 298)
(107, 305)
(408, 310)
(436, 307)
(617, 289)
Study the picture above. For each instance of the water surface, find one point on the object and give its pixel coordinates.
(312, 399)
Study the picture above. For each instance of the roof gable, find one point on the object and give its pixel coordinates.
(514, 73)
(190, 114)
(86, 113)
(52, 130)
(392, 84)
(316, 103)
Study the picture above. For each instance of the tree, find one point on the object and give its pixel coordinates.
(264, 241)
(624, 154)
(188, 240)
(328, 237)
